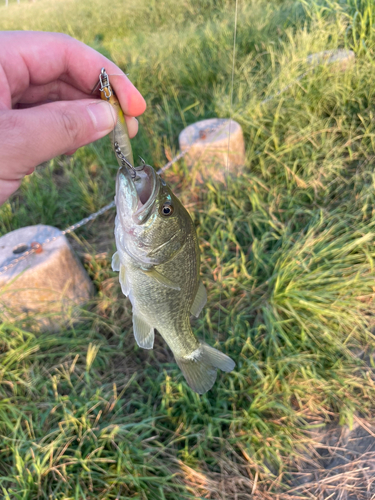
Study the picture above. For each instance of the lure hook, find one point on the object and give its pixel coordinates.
(124, 161)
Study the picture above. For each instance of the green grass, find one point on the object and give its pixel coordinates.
(287, 258)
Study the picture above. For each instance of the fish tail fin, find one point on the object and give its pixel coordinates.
(200, 367)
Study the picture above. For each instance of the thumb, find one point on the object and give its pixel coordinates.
(31, 136)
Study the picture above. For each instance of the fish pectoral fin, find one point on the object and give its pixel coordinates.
(199, 301)
(123, 283)
(116, 262)
(160, 278)
(144, 334)
(117, 266)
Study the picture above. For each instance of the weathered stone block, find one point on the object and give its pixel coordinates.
(216, 148)
(47, 284)
(340, 59)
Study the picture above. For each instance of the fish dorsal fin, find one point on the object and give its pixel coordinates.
(199, 301)
(160, 278)
(144, 334)
(123, 282)
(116, 262)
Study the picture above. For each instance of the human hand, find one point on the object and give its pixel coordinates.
(46, 106)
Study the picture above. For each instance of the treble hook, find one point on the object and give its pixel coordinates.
(124, 161)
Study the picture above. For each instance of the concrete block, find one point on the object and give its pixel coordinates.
(340, 59)
(47, 284)
(215, 147)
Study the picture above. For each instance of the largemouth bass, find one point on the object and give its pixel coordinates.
(158, 260)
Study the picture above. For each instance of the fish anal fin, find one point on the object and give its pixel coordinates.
(116, 262)
(199, 301)
(160, 278)
(144, 334)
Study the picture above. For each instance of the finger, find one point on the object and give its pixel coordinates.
(38, 134)
(36, 95)
(63, 58)
(132, 124)
(7, 188)
(53, 91)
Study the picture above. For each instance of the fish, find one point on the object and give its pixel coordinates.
(158, 260)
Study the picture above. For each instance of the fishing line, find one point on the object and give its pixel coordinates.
(222, 487)
(227, 165)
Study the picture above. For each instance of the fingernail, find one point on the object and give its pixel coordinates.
(103, 116)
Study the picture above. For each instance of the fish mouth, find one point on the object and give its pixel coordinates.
(137, 194)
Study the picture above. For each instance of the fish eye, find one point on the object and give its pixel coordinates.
(166, 209)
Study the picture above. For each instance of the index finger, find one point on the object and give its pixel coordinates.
(38, 58)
